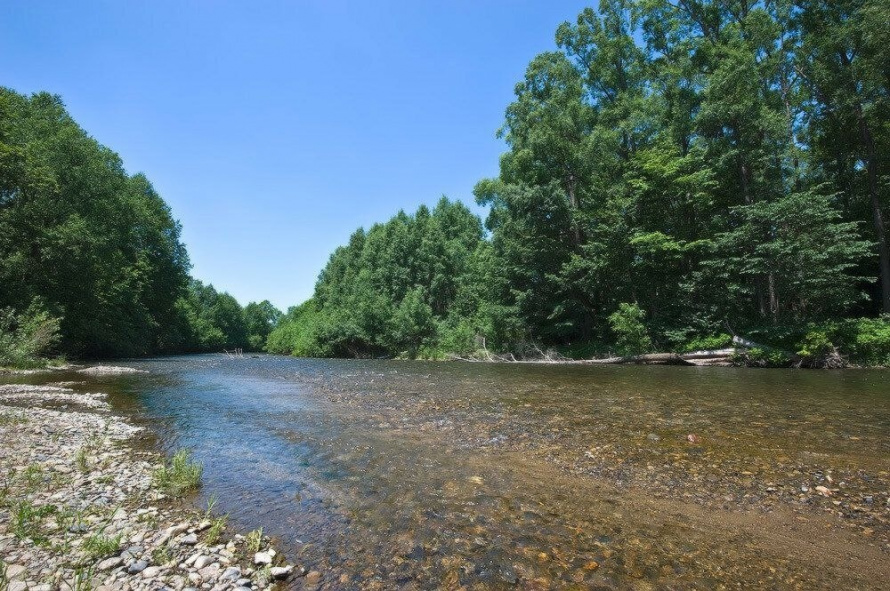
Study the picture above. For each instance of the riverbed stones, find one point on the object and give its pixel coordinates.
(151, 572)
(68, 458)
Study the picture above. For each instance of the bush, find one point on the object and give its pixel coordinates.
(815, 344)
(707, 343)
(761, 357)
(25, 339)
(631, 335)
(868, 340)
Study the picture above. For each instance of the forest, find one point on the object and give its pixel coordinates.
(91, 261)
(677, 172)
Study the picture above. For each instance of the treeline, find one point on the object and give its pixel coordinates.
(91, 261)
(716, 166)
(407, 286)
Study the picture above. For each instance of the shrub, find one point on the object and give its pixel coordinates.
(708, 343)
(762, 357)
(815, 344)
(869, 340)
(631, 335)
(27, 337)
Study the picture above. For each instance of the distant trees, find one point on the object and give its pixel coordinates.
(675, 170)
(392, 290)
(259, 319)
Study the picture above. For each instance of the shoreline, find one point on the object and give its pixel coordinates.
(80, 509)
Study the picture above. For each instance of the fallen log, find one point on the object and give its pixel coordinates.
(648, 359)
(694, 358)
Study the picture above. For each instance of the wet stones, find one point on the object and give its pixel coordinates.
(70, 463)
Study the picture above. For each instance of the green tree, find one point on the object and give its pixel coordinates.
(260, 320)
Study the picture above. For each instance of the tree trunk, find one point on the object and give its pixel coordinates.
(575, 204)
(883, 250)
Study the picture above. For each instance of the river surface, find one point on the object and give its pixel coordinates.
(412, 475)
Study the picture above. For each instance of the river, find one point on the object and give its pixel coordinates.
(412, 475)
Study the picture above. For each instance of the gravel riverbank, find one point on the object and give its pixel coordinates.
(79, 508)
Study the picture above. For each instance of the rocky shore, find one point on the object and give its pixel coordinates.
(80, 508)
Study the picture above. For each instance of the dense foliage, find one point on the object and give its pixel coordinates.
(677, 170)
(97, 245)
(91, 262)
(394, 289)
(26, 339)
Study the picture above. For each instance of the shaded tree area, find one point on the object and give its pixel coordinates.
(718, 165)
(92, 254)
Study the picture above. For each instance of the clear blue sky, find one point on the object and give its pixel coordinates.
(275, 129)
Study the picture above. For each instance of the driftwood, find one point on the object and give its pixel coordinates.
(694, 358)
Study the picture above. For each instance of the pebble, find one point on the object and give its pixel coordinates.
(202, 561)
(281, 572)
(15, 572)
(151, 572)
(261, 558)
(110, 563)
(59, 423)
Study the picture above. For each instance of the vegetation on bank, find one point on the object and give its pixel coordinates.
(676, 173)
(91, 261)
(179, 474)
(27, 338)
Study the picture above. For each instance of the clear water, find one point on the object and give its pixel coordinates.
(411, 475)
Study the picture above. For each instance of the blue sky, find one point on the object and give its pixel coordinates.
(275, 129)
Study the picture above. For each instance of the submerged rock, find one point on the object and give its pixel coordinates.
(109, 370)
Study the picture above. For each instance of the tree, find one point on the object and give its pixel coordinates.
(260, 320)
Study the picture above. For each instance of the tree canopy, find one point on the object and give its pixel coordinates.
(95, 252)
(710, 165)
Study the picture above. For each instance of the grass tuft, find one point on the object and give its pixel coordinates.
(101, 546)
(254, 540)
(26, 520)
(180, 475)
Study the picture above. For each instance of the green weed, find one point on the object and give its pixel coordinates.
(216, 529)
(180, 475)
(26, 520)
(101, 546)
(254, 540)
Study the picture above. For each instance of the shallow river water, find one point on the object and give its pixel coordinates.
(411, 475)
